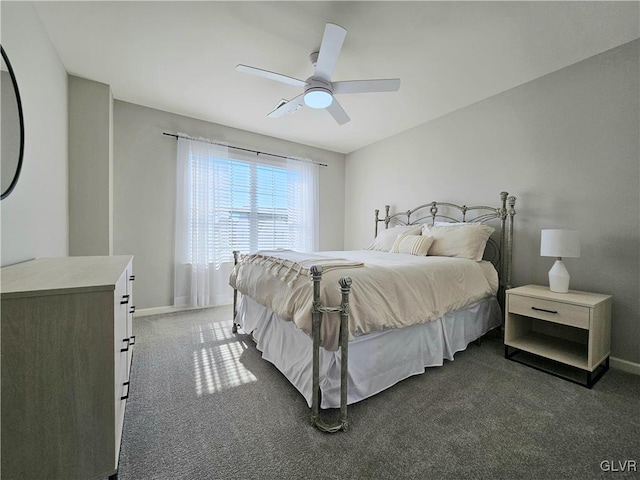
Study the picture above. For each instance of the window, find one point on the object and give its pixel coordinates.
(256, 208)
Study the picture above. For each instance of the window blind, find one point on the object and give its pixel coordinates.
(251, 207)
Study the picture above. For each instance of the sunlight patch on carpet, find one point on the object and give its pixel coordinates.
(218, 368)
(213, 332)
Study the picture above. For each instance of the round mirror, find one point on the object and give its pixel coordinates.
(12, 128)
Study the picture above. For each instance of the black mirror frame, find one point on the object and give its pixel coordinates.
(21, 120)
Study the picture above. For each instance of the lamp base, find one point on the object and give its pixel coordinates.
(559, 277)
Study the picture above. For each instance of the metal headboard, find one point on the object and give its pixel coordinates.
(500, 254)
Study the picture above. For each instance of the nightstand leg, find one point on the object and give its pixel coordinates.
(601, 369)
(507, 354)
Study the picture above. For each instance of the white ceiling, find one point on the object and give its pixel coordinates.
(181, 56)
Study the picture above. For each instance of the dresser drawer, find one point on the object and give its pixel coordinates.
(556, 312)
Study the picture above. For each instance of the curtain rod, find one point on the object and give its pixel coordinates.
(204, 140)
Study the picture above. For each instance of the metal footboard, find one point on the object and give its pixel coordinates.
(317, 310)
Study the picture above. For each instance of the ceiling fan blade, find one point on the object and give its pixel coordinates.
(287, 107)
(330, 47)
(278, 77)
(367, 86)
(337, 112)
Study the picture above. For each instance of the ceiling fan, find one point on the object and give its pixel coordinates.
(319, 90)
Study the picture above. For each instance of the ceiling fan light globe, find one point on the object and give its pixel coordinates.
(317, 98)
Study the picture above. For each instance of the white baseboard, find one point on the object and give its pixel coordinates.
(144, 312)
(624, 365)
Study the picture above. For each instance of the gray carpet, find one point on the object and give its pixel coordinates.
(204, 405)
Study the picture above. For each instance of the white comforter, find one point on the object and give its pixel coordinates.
(391, 290)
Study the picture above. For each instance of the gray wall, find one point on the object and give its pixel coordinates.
(90, 167)
(565, 144)
(144, 190)
(35, 216)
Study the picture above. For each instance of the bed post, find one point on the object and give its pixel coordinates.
(317, 310)
(234, 329)
(345, 289)
(511, 212)
(506, 214)
(316, 318)
(386, 219)
(503, 243)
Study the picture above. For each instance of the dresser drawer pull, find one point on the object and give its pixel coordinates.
(132, 278)
(543, 310)
(125, 397)
(132, 309)
(133, 340)
(125, 300)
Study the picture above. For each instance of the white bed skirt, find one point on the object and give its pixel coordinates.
(376, 360)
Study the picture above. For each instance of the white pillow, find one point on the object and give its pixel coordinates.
(413, 244)
(386, 238)
(466, 240)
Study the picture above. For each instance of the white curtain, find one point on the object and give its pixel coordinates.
(197, 280)
(228, 203)
(304, 199)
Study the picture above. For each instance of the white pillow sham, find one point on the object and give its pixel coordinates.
(413, 244)
(465, 240)
(386, 238)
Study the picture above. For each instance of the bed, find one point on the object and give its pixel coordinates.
(431, 282)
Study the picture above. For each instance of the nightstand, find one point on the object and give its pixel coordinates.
(571, 328)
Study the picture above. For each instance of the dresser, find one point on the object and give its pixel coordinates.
(571, 328)
(67, 345)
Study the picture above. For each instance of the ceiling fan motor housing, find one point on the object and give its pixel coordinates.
(315, 82)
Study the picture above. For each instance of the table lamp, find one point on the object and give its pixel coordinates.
(559, 243)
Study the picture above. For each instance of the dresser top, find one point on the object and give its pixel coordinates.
(62, 275)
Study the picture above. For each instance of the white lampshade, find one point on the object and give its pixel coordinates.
(560, 243)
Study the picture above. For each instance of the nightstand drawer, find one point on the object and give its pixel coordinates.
(556, 312)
